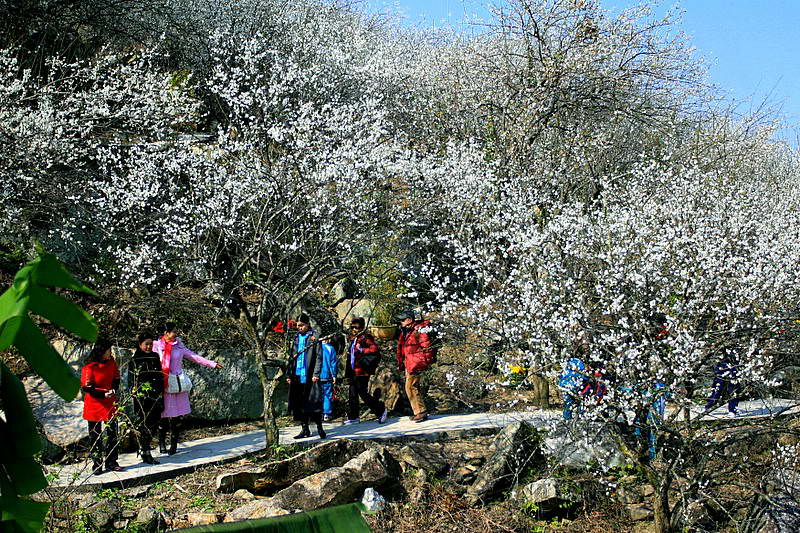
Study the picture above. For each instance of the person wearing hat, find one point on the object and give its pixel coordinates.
(415, 354)
(303, 376)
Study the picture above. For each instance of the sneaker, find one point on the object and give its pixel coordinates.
(351, 421)
(383, 417)
(327, 418)
(732, 414)
(420, 418)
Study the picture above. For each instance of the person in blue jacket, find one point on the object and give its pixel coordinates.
(327, 377)
(571, 383)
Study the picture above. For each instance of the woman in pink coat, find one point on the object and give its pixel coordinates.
(172, 352)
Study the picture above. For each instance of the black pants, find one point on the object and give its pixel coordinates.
(359, 389)
(148, 417)
(305, 418)
(103, 453)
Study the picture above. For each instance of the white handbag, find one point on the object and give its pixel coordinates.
(179, 383)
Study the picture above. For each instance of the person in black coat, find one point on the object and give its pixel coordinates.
(302, 374)
(147, 389)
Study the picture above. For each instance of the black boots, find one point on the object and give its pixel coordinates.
(174, 436)
(304, 433)
(320, 430)
(148, 458)
(162, 440)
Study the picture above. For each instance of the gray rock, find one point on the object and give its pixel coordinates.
(512, 451)
(333, 486)
(582, 446)
(629, 495)
(355, 307)
(120, 524)
(416, 487)
(150, 519)
(137, 492)
(639, 511)
(541, 491)
(101, 513)
(463, 476)
(279, 474)
(372, 500)
(202, 519)
(388, 381)
(425, 457)
(244, 494)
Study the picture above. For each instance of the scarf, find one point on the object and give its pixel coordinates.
(165, 360)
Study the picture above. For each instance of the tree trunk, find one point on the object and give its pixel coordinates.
(662, 522)
(269, 376)
(541, 390)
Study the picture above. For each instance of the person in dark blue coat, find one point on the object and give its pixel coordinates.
(725, 384)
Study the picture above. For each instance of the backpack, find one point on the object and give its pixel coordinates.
(370, 362)
(435, 340)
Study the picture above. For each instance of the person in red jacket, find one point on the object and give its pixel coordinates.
(415, 354)
(363, 356)
(100, 383)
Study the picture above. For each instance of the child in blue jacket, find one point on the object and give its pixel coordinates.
(327, 377)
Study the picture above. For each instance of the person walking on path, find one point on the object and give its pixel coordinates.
(327, 377)
(99, 383)
(415, 354)
(172, 352)
(147, 389)
(363, 356)
(571, 382)
(303, 371)
(725, 385)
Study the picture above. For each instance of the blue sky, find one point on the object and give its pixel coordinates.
(753, 47)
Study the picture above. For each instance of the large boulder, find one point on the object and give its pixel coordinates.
(422, 456)
(387, 383)
(334, 486)
(279, 474)
(512, 451)
(581, 446)
(347, 309)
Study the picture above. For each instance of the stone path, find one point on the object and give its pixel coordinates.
(226, 448)
(221, 449)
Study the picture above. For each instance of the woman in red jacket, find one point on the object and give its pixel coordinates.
(100, 382)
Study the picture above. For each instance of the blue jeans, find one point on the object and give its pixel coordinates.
(727, 390)
(327, 398)
(570, 404)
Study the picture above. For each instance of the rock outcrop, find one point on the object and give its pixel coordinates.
(513, 449)
(372, 468)
(280, 474)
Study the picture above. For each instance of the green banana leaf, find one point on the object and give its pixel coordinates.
(340, 519)
(20, 473)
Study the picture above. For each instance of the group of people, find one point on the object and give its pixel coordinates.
(578, 384)
(160, 389)
(160, 392)
(313, 368)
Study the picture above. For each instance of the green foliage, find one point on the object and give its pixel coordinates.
(21, 474)
(205, 503)
(279, 452)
